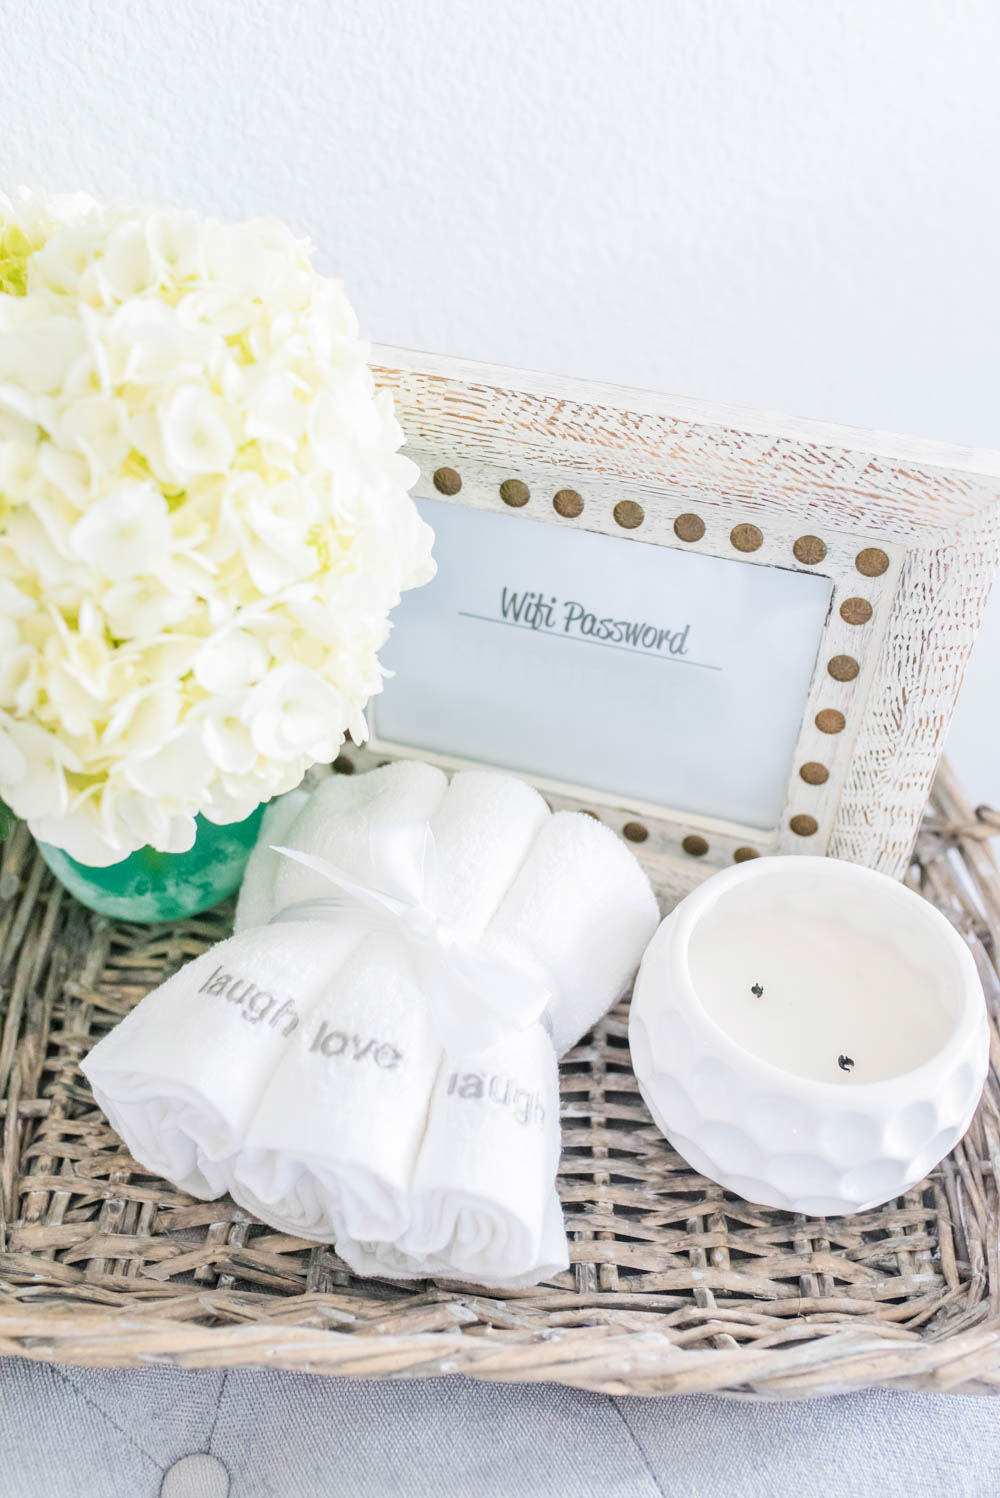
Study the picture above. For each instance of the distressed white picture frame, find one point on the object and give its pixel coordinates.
(545, 696)
(907, 529)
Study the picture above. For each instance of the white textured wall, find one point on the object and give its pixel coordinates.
(780, 203)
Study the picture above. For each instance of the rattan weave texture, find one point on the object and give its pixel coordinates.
(674, 1287)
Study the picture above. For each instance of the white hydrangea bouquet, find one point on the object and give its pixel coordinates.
(204, 521)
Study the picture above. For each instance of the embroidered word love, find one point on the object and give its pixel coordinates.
(256, 1004)
(338, 1043)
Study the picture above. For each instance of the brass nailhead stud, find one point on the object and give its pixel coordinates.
(689, 527)
(809, 550)
(343, 765)
(628, 514)
(829, 720)
(695, 845)
(635, 832)
(746, 537)
(804, 825)
(591, 814)
(813, 773)
(871, 562)
(568, 503)
(447, 481)
(843, 667)
(514, 493)
(743, 855)
(855, 611)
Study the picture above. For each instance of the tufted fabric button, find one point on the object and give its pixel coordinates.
(196, 1476)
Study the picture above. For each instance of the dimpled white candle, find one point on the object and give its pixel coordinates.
(810, 1034)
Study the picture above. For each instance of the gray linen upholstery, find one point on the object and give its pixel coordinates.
(96, 1433)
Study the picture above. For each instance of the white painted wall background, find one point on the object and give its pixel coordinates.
(780, 203)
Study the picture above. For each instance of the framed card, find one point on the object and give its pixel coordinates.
(726, 634)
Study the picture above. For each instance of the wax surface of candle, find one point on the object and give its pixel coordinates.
(839, 982)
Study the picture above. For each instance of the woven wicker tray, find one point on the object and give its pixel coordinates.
(675, 1287)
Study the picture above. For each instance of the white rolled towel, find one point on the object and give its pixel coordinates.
(386, 1260)
(346, 1119)
(181, 1077)
(331, 1146)
(583, 910)
(485, 1206)
(484, 829)
(487, 1165)
(255, 905)
(353, 1177)
(347, 821)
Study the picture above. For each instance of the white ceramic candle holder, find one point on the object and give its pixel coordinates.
(810, 1034)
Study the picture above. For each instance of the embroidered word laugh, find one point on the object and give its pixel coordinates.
(525, 1106)
(256, 1004)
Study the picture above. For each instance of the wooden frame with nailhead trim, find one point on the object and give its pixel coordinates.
(907, 531)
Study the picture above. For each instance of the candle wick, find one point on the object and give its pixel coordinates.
(844, 1062)
(757, 991)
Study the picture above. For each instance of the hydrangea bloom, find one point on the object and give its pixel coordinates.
(204, 521)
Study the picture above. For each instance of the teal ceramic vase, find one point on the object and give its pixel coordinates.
(152, 886)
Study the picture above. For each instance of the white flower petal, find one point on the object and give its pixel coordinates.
(195, 434)
(205, 521)
(271, 569)
(228, 740)
(41, 789)
(126, 268)
(175, 242)
(143, 608)
(218, 308)
(132, 820)
(14, 604)
(143, 718)
(19, 665)
(155, 347)
(98, 429)
(232, 800)
(126, 533)
(293, 711)
(181, 764)
(13, 761)
(39, 358)
(181, 831)
(275, 410)
(82, 835)
(232, 658)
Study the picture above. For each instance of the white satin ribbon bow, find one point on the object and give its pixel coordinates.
(476, 997)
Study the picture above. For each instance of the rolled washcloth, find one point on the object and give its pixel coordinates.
(362, 1112)
(582, 909)
(255, 905)
(484, 1205)
(331, 1147)
(183, 1077)
(353, 1177)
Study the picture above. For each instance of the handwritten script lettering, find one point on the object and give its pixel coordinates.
(544, 614)
(540, 612)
